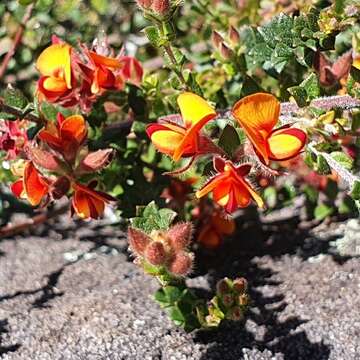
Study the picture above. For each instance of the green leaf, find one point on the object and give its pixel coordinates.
(355, 191)
(15, 98)
(343, 159)
(152, 218)
(154, 36)
(270, 196)
(172, 293)
(26, 2)
(306, 91)
(280, 56)
(176, 315)
(311, 194)
(322, 211)
(229, 140)
(322, 167)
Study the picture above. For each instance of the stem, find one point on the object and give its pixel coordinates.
(17, 40)
(171, 55)
(11, 230)
(18, 113)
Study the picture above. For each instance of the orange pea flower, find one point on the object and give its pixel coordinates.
(89, 203)
(258, 114)
(66, 135)
(229, 187)
(32, 186)
(181, 137)
(213, 231)
(54, 65)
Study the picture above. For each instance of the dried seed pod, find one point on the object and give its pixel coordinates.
(240, 285)
(182, 263)
(161, 7)
(216, 39)
(180, 235)
(155, 253)
(138, 241)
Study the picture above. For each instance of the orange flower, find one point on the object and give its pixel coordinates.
(89, 203)
(181, 138)
(212, 233)
(66, 135)
(54, 65)
(258, 114)
(32, 186)
(229, 187)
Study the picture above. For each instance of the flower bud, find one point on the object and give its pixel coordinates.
(145, 4)
(180, 235)
(60, 187)
(240, 285)
(216, 39)
(226, 52)
(236, 314)
(138, 241)
(181, 264)
(227, 300)
(155, 253)
(222, 287)
(234, 36)
(161, 7)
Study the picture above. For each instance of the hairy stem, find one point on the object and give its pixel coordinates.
(171, 55)
(18, 113)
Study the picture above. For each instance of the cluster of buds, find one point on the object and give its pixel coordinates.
(230, 302)
(53, 163)
(226, 47)
(13, 137)
(162, 251)
(72, 78)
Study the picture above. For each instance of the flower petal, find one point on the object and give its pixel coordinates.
(55, 61)
(258, 114)
(194, 109)
(104, 60)
(74, 127)
(34, 185)
(286, 143)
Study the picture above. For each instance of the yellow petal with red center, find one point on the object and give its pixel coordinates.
(74, 126)
(55, 61)
(34, 186)
(194, 109)
(258, 114)
(286, 143)
(106, 61)
(55, 84)
(166, 137)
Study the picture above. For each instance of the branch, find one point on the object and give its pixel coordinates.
(13, 229)
(19, 113)
(17, 40)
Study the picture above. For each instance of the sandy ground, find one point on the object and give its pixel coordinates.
(73, 293)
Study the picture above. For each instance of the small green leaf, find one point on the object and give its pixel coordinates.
(355, 191)
(172, 293)
(322, 167)
(270, 196)
(176, 315)
(26, 2)
(229, 140)
(154, 36)
(322, 211)
(343, 159)
(15, 98)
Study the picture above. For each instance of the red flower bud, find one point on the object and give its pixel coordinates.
(234, 36)
(161, 7)
(216, 39)
(222, 287)
(227, 300)
(180, 235)
(236, 314)
(240, 285)
(155, 253)
(138, 241)
(226, 52)
(60, 187)
(181, 264)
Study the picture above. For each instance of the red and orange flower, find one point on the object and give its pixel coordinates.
(258, 114)
(181, 137)
(32, 185)
(229, 187)
(65, 136)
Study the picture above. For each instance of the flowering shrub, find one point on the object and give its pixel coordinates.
(180, 122)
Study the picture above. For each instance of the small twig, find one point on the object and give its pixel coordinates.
(17, 40)
(18, 113)
(171, 55)
(11, 230)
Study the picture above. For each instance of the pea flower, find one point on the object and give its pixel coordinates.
(57, 75)
(180, 137)
(32, 185)
(88, 202)
(258, 114)
(229, 187)
(65, 136)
